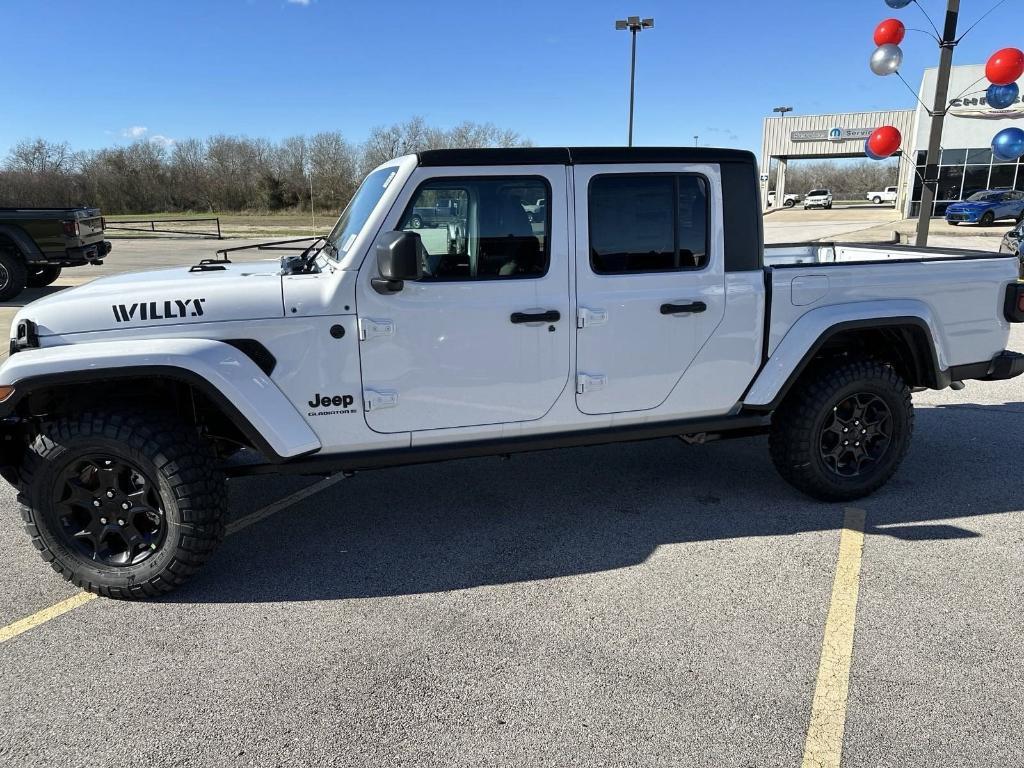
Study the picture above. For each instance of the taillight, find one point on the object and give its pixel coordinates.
(1013, 307)
(71, 228)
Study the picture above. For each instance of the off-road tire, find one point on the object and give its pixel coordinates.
(987, 219)
(40, 277)
(181, 469)
(801, 420)
(13, 275)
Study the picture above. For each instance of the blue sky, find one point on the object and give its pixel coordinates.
(556, 71)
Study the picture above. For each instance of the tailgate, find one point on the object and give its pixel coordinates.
(90, 228)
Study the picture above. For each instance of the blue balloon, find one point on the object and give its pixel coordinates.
(1002, 96)
(1008, 144)
(869, 153)
(898, 3)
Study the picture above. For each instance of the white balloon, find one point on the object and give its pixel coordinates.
(886, 59)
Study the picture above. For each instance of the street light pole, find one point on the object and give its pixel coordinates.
(938, 115)
(634, 24)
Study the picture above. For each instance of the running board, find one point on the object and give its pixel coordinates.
(743, 425)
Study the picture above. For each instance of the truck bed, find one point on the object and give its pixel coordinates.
(959, 292)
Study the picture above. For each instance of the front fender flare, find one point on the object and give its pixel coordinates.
(810, 332)
(220, 371)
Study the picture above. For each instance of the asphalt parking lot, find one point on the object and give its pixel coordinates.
(645, 604)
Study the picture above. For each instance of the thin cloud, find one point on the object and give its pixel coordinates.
(163, 141)
(135, 132)
(298, 2)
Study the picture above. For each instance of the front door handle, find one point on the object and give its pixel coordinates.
(551, 316)
(675, 309)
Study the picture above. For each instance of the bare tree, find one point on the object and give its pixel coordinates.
(222, 172)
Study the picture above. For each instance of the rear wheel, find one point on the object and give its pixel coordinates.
(876, 200)
(121, 503)
(843, 431)
(789, 203)
(39, 277)
(416, 222)
(13, 276)
(987, 219)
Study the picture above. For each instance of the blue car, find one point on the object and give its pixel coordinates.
(986, 207)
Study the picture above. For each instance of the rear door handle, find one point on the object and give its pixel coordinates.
(675, 309)
(551, 316)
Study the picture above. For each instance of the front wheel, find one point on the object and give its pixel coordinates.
(123, 504)
(843, 431)
(987, 219)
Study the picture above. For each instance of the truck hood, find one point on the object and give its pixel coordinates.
(175, 296)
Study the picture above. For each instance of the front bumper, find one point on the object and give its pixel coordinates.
(1005, 365)
(963, 216)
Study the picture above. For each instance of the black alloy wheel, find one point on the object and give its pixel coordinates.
(109, 511)
(857, 435)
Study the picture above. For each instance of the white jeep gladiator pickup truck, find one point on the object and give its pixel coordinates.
(639, 307)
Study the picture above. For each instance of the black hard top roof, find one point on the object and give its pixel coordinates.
(583, 156)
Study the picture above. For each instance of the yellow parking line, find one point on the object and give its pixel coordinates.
(41, 617)
(824, 745)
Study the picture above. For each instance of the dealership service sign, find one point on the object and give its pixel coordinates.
(832, 134)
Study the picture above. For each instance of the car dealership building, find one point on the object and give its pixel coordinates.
(966, 164)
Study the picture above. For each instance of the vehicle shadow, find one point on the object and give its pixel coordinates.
(485, 521)
(31, 294)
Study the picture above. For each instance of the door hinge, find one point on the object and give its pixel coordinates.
(586, 317)
(369, 328)
(587, 382)
(374, 400)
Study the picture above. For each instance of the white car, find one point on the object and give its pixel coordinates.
(818, 198)
(887, 195)
(640, 308)
(788, 202)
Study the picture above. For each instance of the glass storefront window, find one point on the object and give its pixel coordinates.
(951, 180)
(980, 156)
(1002, 176)
(975, 179)
(953, 157)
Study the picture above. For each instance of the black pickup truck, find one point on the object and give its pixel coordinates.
(36, 243)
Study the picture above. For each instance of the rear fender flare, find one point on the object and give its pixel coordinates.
(220, 371)
(23, 241)
(813, 330)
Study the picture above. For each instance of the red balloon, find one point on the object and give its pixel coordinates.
(1005, 66)
(890, 31)
(885, 141)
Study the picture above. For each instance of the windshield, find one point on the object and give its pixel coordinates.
(817, 192)
(358, 210)
(990, 196)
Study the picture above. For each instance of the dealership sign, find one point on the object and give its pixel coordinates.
(979, 108)
(832, 134)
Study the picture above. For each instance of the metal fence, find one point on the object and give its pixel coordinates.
(116, 226)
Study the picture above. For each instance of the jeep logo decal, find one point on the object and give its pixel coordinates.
(151, 310)
(336, 404)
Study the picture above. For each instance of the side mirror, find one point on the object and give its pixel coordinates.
(399, 258)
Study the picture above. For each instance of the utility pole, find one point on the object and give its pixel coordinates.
(696, 141)
(938, 116)
(634, 24)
